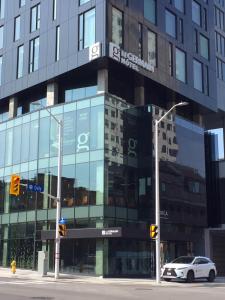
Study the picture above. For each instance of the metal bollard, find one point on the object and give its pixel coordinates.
(13, 266)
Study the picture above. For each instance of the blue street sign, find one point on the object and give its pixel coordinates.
(62, 221)
(35, 188)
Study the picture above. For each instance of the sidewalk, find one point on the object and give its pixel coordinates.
(65, 278)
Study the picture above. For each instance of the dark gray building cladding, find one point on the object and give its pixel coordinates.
(108, 70)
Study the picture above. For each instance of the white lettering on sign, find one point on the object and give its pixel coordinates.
(129, 59)
(95, 51)
(82, 142)
(110, 232)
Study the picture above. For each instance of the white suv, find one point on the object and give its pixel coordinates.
(189, 268)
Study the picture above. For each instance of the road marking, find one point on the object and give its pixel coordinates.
(25, 282)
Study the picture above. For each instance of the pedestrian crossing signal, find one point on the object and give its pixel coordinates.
(153, 231)
(62, 230)
(14, 185)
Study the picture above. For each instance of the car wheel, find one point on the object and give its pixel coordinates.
(190, 276)
(212, 276)
(167, 279)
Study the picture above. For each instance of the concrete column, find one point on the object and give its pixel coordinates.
(207, 242)
(101, 268)
(139, 91)
(5, 247)
(13, 104)
(52, 93)
(198, 118)
(103, 79)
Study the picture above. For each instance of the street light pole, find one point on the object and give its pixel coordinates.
(157, 199)
(58, 197)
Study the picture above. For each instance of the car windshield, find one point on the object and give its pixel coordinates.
(183, 260)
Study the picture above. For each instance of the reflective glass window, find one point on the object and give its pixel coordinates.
(1, 36)
(179, 4)
(96, 183)
(54, 9)
(44, 137)
(197, 76)
(17, 138)
(16, 28)
(25, 143)
(34, 55)
(1, 71)
(2, 148)
(87, 29)
(83, 1)
(35, 18)
(2, 9)
(22, 3)
(204, 46)
(34, 127)
(20, 55)
(68, 185)
(69, 133)
(150, 10)
(97, 128)
(9, 145)
(152, 48)
(57, 46)
(180, 65)
(117, 27)
(196, 12)
(82, 184)
(171, 23)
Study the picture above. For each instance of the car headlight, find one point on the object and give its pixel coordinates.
(182, 268)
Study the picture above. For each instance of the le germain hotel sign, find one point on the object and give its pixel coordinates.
(126, 58)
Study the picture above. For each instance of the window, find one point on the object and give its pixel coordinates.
(0, 70)
(54, 9)
(196, 12)
(220, 43)
(195, 40)
(179, 4)
(152, 48)
(87, 29)
(22, 3)
(117, 27)
(35, 18)
(171, 59)
(181, 29)
(204, 18)
(197, 75)
(2, 9)
(83, 1)
(150, 10)
(20, 52)
(206, 77)
(219, 18)
(1, 37)
(34, 55)
(170, 23)
(57, 43)
(180, 65)
(140, 40)
(204, 47)
(17, 28)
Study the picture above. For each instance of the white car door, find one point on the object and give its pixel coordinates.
(198, 268)
(205, 266)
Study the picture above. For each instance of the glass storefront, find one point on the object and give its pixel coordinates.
(107, 181)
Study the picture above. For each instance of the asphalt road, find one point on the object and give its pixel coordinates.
(21, 289)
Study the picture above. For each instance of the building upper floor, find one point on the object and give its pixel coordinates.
(40, 40)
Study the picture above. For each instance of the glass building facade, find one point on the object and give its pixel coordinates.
(107, 182)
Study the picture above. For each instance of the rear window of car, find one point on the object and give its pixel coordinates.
(183, 260)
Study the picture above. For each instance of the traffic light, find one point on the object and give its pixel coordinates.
(14, 185)
(153, 231)
(62, 230)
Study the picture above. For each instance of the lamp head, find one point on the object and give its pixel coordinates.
(183, 103)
